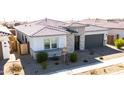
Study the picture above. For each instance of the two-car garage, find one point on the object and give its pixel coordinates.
(94, 41)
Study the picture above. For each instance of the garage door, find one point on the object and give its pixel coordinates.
(94, 41)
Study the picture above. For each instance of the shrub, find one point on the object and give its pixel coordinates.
(119, 43)
(44, 65)
(42, 56)
(73, 57)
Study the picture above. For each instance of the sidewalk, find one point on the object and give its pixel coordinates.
(96, 66)
(118, 73)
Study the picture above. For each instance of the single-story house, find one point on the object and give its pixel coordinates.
(52, 36)
(43, 35)
(4, 43)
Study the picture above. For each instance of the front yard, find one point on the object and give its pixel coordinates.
(85, 58)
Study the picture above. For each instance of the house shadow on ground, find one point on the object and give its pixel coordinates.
(31, 67)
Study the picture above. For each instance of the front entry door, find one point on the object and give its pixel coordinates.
(77, 42)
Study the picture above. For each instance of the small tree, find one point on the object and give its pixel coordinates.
(42, 57)
(73, 57)
(119, 43)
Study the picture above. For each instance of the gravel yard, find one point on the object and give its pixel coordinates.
(85, 58)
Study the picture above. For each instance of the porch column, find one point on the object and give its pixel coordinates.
(82, 42)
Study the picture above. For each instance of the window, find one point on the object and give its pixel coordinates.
(54, 43)
(50, 43)
(47, 43)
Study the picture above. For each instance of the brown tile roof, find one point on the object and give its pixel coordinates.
(104, 23)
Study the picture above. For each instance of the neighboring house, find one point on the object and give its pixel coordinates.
(115, 28)
(4, 43)
(52, 35)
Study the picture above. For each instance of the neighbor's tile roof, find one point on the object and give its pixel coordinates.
(42, 27)
(103, 23)
(74, 24)
(4, 29)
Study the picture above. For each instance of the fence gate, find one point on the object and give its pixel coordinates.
(110, 39)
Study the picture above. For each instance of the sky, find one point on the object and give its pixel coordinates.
(26, 10)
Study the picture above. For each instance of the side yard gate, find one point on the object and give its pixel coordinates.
(22, 48)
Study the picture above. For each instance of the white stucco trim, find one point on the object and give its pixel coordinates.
(95, 32)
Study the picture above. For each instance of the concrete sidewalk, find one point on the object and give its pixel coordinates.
(117, 73)
(96, 66)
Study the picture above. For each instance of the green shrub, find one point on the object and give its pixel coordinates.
(44, 65)
(73, 57)
(42, 56)
(119, 43)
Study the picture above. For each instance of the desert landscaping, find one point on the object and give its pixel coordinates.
(104, 70)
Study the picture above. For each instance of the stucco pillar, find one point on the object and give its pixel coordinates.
(105, 39)
(82, 42)
(70, 43)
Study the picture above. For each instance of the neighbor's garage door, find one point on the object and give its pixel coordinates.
(94, 41)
